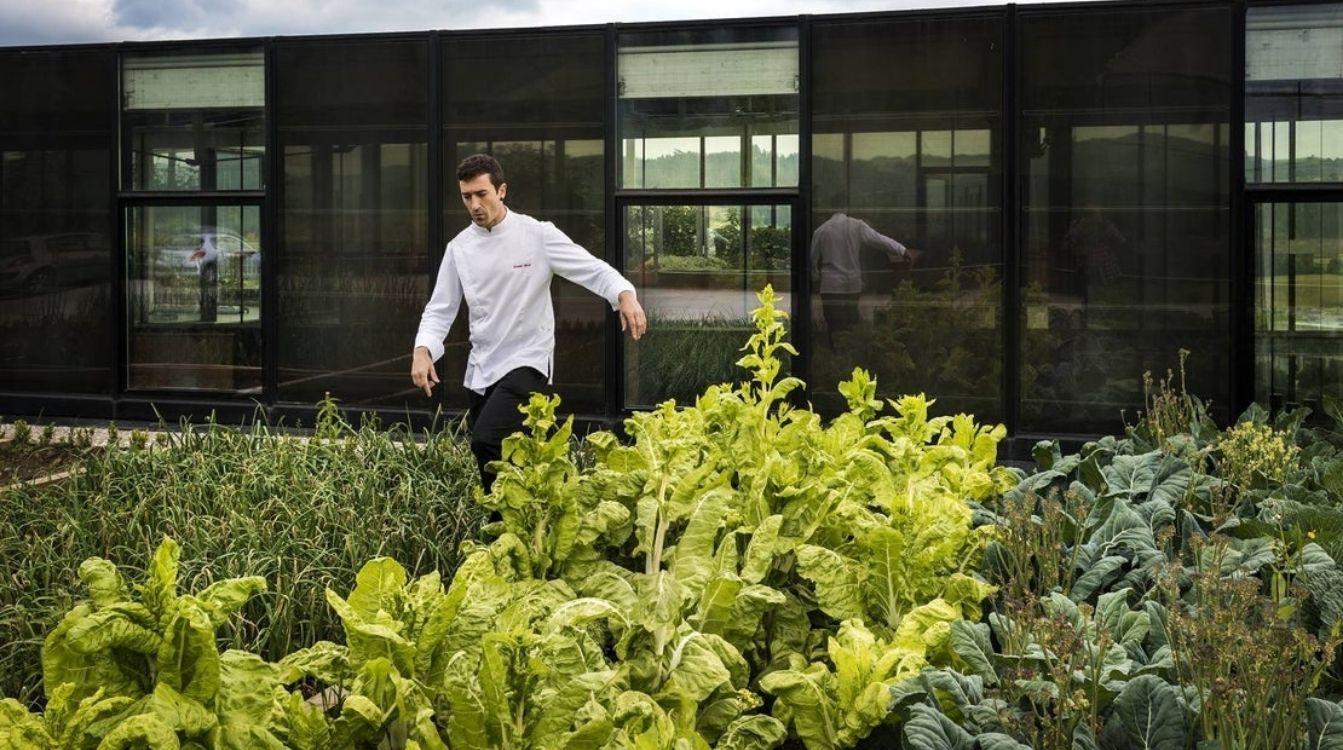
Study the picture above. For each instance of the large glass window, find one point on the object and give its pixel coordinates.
(541, 117)
(1298, 304)
(194, 297)
(709, 109)
(353, 277)
(1125, 210)
(906, 118)
(698, 269)
(1294, 93)
(56, 217)
(194, 122)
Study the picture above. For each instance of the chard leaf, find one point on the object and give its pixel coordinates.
(106, 586)
(159, 592)
(837, 587)
(222, 599)
(694, 669)
(804, 700)
(757, 732)
(188, 659)
(379, 585)
(143, 731)
(760, 551)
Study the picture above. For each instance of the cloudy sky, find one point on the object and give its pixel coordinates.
(70, 21)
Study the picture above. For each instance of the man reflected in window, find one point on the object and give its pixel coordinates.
(836, 265)
(501, 265)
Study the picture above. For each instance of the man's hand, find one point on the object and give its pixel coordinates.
(422, 372)
(632, 315)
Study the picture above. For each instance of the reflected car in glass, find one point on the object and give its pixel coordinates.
(52, 262)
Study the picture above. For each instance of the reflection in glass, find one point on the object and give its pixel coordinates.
(1293, 93)
(1125, 211)
(542, 119)
(194, 297)
(697, 269)
(907, 156)
(1298, 304)
(709, 109)
(194, 122)
(353, 127)
(56, 161)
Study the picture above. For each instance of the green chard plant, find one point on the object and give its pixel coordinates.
(141, 669)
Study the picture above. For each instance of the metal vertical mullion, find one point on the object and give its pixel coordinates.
(435, 166)
(270, 233)
(801, 210)
(1011, 312)
(615, 250)
(1241, 261)
(120, 319)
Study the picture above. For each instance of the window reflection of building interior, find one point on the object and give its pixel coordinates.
(906, 124)
(1125, 211)
(353, 124)
(56, 161)
(1294, 135)
(194, 123)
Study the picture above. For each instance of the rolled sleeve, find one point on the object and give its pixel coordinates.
(442, 308)
(576, 264)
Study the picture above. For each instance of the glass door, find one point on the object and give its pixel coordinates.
(698, 269)
(1298, 303)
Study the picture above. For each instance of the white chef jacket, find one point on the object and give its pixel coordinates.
(504, 274)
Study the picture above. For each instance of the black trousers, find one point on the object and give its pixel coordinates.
(495, 415)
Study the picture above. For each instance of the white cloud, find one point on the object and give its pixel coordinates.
(72, 21)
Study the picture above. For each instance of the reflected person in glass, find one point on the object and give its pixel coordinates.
(501, 265)
(836, 264)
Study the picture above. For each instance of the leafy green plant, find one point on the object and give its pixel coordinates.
(127, 668)
(303, 514)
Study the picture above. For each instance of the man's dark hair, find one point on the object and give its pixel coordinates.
(478, 164)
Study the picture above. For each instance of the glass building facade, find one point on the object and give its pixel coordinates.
(1018, 211)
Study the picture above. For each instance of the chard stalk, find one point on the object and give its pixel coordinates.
(655, 554)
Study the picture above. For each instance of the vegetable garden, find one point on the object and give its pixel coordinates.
(740, 574)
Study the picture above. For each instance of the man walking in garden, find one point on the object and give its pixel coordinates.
(502, 265)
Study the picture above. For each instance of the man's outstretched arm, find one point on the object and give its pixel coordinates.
(597, 276)
(435, 324)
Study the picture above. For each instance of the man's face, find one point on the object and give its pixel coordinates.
(482, 200)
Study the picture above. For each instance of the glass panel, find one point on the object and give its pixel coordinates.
(1298, 310)
(542, 118)
(693, 102)
(353, 278)
(1294, 93)
(194, 122)
(1126, 214)
(698, 269)
(56, 146)
(908, 155)
(194, 298)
